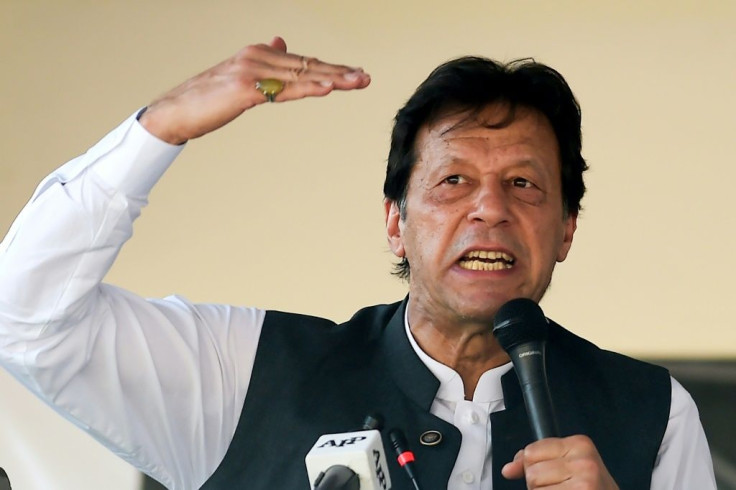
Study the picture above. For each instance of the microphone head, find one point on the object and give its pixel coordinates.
(519, 321)
(360, 451)
(373, 421)
(398, 441)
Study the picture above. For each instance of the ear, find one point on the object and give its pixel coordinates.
(570, 224)
(393, 228)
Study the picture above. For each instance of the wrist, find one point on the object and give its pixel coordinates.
(150, 123)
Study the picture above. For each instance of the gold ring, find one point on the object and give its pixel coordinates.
(297, 72)
(270, 87)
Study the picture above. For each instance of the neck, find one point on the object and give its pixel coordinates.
(466, 346)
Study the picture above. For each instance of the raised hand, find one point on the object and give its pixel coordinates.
(570, 462)
(220, 94)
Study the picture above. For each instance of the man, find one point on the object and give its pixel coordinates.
(483, 188)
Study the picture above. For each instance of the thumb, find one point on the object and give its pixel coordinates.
(515, 469)
(278, 43)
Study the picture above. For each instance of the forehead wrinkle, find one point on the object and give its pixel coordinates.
(522, 150)
(482, 133)
(446, 138)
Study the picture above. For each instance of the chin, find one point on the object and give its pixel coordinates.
(484, 309)
(482, 313)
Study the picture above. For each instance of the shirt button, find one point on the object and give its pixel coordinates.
(468, 477)
(474, 418)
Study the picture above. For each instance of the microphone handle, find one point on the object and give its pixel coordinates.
(538, 404)
(530, 365)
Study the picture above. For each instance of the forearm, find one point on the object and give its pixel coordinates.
(65, 240)
(57, 321)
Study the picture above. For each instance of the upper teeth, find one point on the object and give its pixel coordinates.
(484, 260)
(487, 254)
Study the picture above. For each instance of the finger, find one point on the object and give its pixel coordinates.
(315, 65)
(304, 66)
(274, 54)
(319, 87)
(546, 473)
(345, 81)
(300, 90)
(278, 43)
(311, 88)
(304, 63)
(342, 80)
(544, 449)
(569, 447)
(552, 462)
(305, 89)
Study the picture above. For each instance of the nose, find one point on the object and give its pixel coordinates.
(490, 204)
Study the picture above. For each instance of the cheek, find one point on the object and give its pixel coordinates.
(554, 244)
(430, 228)
(422, 238)
(544, 241)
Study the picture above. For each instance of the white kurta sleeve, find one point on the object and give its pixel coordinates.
(159, 382)
(684, 461)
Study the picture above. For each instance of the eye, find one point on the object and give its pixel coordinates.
(526, 190)
(453, 179)
(522, 183)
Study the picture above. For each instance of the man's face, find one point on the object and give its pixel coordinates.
(484, 220)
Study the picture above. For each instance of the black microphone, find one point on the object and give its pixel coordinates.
(521, 328)
(404, 455)
(373, 421)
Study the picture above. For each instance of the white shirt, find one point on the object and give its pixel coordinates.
(683, 461)
(162, 382)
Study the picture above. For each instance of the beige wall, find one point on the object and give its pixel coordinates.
(282, 209)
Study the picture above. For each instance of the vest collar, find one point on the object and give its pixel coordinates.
(409, 373)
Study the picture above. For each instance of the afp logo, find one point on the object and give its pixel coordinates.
(379, 470)
(342, 442)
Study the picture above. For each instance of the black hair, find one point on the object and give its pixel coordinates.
(470, 84)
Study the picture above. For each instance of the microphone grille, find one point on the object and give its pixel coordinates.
(519, 321)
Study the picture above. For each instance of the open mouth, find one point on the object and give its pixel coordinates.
(485, 260)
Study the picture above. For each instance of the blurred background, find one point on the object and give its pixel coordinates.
(282, 209)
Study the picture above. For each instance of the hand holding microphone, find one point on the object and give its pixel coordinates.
(521, 328)
(554, 461)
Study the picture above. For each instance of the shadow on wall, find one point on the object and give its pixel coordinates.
(713, 386)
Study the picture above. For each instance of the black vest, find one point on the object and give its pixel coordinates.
(312, 377)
